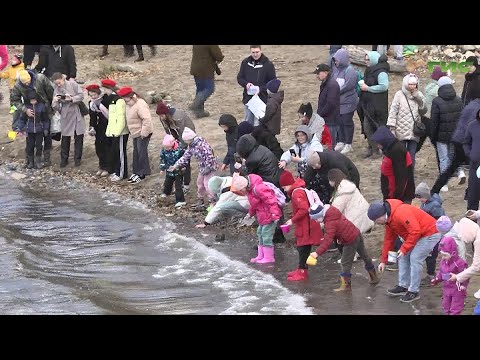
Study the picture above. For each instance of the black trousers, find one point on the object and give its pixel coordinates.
(473, 191)
(119, 156)
(168, 185)
(459, 158)
(34, 141)
(303, 253)
(187, 175)
(103, 149)
(65, 148)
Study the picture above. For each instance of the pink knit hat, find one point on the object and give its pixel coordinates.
(239, 183)
(188, 134)
(170, 141)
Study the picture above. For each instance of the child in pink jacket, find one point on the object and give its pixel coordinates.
(263, 203)
(454, 293)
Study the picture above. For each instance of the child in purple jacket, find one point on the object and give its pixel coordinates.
(454, 293)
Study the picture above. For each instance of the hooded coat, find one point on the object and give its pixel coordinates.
(446, 110)
(471, 86)
(470, 233)
(263, 202)
(455, 264)
(231, 136)
(258, 159)
(273, 112)
(433, 206)
(265, 137)
(396, 179)
(307, 231)
(348, 76)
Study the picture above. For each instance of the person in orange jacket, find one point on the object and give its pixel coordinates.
(419, 235)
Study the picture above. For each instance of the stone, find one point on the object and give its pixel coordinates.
(449, 52)
(18, 176)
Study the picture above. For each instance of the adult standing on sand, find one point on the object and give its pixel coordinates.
(203, 67)
(255, 70)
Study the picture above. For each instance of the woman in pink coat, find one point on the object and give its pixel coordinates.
(263, 204)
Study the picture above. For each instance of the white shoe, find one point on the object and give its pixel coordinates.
(339, 146)
(115, 178)
(444, 188)
(163, 195)
(462, 177)
(98, 173)
(346, 149)
(181, 204)
(104, 173)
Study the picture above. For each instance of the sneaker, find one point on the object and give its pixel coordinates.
(130, 179)
(115, 178)
(444, 188)
(98, 173)
(397, 291)
(462, 177)
(104, 173)
(391, 266)
(347, 148)
(136, 180)
(339, 146)
(180, 204)
(409, 297)
(426, 281)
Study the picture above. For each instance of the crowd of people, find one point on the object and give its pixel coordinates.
(328, 208)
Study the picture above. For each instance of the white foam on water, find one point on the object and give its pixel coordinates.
(248, 291)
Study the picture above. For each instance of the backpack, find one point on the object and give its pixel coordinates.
(312, 196)
(281, 199)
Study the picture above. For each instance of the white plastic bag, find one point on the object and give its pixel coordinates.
(257, 107)
(55, 123)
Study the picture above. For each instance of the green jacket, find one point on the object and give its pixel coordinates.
(204, 58)
(42, 86)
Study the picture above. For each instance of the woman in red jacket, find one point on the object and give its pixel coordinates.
(307, 231)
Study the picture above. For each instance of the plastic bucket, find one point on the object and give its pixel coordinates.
(392, 257)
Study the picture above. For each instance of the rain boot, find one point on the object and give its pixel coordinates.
(38, 162)
(200, 110)
(259, 256)
(46, 158)
(292, 273)
(29, 164)
(268, 255)
(345, 282)
(372, 273)
(301, 275)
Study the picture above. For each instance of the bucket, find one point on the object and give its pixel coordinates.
(445, 276)
(311, 261)
(392, 257)
(285, 228)
(12, 135)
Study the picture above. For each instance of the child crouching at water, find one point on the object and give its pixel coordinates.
(263, 204)
(169, 155)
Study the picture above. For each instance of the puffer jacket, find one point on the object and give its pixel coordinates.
(471, 86)
(433, 206)
(169, 158)
(226, 199)
(273, 112)
(139, 119)
(470, 233)
(453, 265)
(468, 114)
(203, 152)
(336, 226)
(408, 222)
(303, 150)
(265, 137)
(446, 110)
(258, 159)
(351, 203)
(307, 231)
(11, 74)
(316, 124)
(263, 202)
(400, 117)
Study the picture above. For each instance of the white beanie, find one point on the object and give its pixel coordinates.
(444, 80)
(188, 134)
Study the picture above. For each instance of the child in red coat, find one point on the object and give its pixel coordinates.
(339, 227)
(307, 231)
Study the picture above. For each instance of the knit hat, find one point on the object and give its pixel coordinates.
(93, 88)
(24, 76)
(317, 212)
(444, 224)
(286, 178)
(306, 110)
(411, 79)
(422, 191)
(321, 67)
(244, 128)
(376, 210)
(239, 182)
(444, 80)
(109, 84)
(215, 184)
(125, 92)
(162, 109)
(313, 159)
(437, 73)
(170, 141)
(188, 134)
(273, 85)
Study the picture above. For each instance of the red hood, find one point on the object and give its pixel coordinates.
(299, 183)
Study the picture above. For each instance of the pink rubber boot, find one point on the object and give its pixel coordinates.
(268, 255)
(259, 256)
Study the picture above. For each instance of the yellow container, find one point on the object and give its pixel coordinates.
(311, 261)
(12, 135)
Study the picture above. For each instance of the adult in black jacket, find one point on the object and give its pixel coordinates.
(329, 100)
(255, 70)
(57, 58)
(29, 52)
(445, 112)
(229, 124)
(259, 160)
(472, 81)
(266, 138)
(316, 175)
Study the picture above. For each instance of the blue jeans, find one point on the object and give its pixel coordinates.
(410, 266)
(445, 155)
(249, 116)
(411, 146)
(335, 133)
(205, 88)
